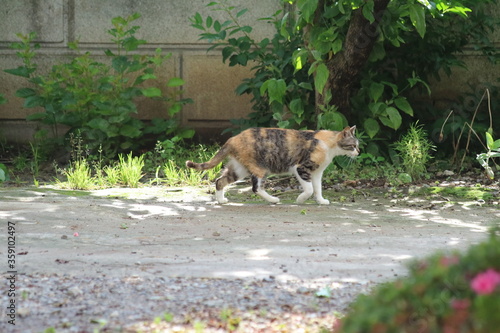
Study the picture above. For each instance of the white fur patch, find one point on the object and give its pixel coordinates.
(238, 168)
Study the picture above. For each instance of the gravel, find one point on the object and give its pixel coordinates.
(157, 304)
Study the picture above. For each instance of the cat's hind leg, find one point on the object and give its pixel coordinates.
(233, 171)
(304, 178)
(257, 188)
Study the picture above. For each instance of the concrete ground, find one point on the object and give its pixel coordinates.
(161, 231)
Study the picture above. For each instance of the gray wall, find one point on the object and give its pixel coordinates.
(164, 24)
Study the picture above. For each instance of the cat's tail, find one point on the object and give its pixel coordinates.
(216, 160)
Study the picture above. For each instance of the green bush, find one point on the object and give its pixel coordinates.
(414, 150)
(281, 95)
(291, 67)
(456, 292)
(97, 100)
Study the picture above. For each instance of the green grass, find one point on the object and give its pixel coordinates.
(468, 193)
(79, 176)
(129, 170)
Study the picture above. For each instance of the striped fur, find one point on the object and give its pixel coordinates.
(257, 152)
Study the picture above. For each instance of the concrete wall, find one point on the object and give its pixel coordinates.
(164, 24)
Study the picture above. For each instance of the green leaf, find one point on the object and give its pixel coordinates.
(20, 71)
(174, 109)
(321, 77)
(185, 133)
(33, 101)
(39, 116)
(25, 92)
(490, 143)
(394, 117)
(376, 90)
(283, 124)
(332, 120)
(175, 82)
(368, 11)
(337, 45)
(120, 64)
(299, 59)
(227, 52)
(297, 106)
(151, 92)
(276, 90)
(130, 131)
(307, 8)
(371, 127)
(99, 123)
(403, 105)
(132, 43)
(417, 17)
(217, 26)
(377, 108)
(306, 85)
(241, 12)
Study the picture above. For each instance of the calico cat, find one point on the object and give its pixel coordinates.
(257, 152)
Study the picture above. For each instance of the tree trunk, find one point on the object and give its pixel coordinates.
(346, 65)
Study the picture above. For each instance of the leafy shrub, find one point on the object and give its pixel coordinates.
(96, 99)
(414, 149)
(282, 96)
(493, 151)
(291, 65)
(450, 292)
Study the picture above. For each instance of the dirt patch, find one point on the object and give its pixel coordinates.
(363, 238)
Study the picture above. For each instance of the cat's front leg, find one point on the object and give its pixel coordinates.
(318, 190)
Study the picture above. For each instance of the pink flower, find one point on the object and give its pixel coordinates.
(75, 234)
(485, 283)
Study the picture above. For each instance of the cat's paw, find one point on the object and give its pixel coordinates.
(273, 200)
(219, 196)
(323, 201)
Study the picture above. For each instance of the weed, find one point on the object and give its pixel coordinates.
(414, 149)
(3, 173)
(112, 175)
(130, 169)
(227, 317)
(80, 176)
(493, 151)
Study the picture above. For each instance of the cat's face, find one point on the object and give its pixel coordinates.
(348, 142)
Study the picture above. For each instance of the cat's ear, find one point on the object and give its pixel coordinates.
(353, 130)
(348, 131)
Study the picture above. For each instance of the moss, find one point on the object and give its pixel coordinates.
(70, 193)
(469, 193)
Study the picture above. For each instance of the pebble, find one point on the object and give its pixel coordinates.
(128, 301)
(74, 291)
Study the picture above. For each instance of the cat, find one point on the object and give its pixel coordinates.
(257, 152)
